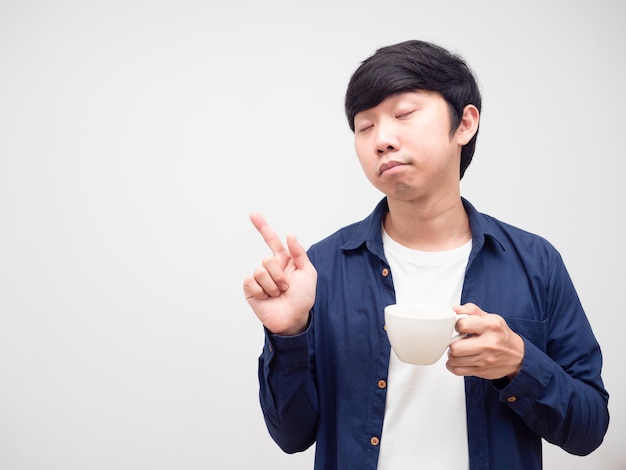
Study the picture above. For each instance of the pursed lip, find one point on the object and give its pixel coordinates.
(388, 166)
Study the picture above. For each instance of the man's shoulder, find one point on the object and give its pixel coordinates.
(515, 238)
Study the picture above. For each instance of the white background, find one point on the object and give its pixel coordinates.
(135, 138)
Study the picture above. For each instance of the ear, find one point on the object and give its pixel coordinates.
(469, 124)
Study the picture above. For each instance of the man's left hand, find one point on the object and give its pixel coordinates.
(493, 350)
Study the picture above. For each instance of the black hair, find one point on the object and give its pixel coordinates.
(415, 65)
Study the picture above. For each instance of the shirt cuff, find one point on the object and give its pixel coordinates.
(530, 382)
(289, 351)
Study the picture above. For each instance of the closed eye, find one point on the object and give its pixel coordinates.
(405, 114)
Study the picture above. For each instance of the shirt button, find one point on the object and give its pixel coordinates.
(374, 441)
(382, 383)
(385, 272)
(511, 399)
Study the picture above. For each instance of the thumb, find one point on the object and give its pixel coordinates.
(298, 253)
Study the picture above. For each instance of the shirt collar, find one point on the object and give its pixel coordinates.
(483, 228)
(368, 230)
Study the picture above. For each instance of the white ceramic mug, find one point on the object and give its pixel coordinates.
(419, 334)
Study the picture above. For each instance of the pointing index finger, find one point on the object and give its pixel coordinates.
(268, 234)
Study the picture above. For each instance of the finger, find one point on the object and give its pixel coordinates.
(276, 272)
(252, 290)
(464, 347)
(469, 309)
(475, 323)
(298, 253)
(268, 234)
(460, 365)
(463, 371)
(266, 283)
(463, 325)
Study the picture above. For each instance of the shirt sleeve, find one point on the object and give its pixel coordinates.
(287, 391)
(559, 392)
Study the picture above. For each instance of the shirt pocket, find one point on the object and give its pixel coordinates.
(532, 330)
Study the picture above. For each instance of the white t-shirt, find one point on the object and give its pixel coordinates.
(425, 417)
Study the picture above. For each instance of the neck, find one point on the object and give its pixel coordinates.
(434, 225)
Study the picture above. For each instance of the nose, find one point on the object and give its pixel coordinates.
(386, 139)
(382, 151)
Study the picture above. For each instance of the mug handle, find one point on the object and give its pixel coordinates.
(459, 336)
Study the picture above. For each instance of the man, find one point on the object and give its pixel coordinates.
(530, 368)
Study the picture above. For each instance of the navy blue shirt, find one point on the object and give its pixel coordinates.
(328, 385)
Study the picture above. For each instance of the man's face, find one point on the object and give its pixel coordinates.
(406, 147)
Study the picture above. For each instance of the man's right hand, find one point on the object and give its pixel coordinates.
(282, 290)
